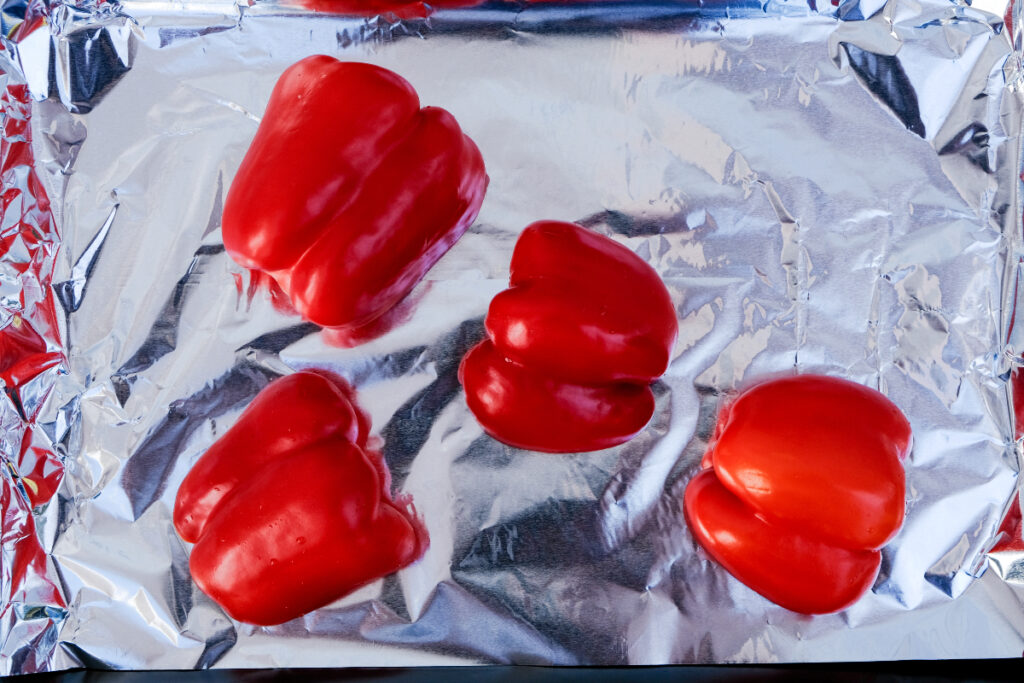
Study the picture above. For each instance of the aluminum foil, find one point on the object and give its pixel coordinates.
(826, 188)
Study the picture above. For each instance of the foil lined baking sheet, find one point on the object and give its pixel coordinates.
(833, 189)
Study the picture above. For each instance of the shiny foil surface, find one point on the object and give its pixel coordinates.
(827, 188)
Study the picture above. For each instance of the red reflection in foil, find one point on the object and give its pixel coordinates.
(40, 469)
(30, 353)
(35, 17)
(258, 281)
(23, 353)
(26, 573)
(1011, 531)
(1017, 389)
(30, 341)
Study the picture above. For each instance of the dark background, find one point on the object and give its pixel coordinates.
(959, 670)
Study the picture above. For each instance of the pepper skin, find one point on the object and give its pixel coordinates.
(287, 510)
(350, 191)
(585, 326)
(802, 484)
(403, 9)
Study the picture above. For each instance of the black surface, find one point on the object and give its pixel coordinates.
(918, 671)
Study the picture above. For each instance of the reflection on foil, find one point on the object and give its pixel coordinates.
(70, 292)
(828, 189)
(34, 418)
(91, 57)
(883, 76)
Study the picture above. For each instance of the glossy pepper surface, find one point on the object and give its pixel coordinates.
(288, 511)
(585, 326)
(802, 483)
(404, 9)
(350, 191)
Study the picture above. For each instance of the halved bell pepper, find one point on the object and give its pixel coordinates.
(288, 511)
(573, 345)
(350, 191)
(802, 483)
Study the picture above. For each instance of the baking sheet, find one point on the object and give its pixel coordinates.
(829, 190)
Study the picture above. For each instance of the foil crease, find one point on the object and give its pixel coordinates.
(823, 188)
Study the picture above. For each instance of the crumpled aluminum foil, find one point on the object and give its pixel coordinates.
(828, 188)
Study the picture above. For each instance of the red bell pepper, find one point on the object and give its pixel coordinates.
(584, 328)
(802, 483)
(350, 191)
(288, 511)
(403, 9)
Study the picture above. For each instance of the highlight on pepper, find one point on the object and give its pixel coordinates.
(573, 345)
(288, 510)
(350, 191)
(802, 484)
